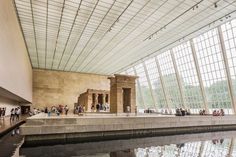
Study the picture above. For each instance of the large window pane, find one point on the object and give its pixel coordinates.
(188, 76)
(212, 70)
(169, 80)
(229, 37)
(148, 101)
(156, 83)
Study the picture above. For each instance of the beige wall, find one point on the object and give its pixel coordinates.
(54, 87)
(15, 68)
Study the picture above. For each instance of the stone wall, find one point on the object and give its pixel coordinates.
(55, 87)
(15, 68)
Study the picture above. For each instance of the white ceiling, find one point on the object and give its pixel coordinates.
(104, 36)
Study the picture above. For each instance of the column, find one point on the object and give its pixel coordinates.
(162, 84)
(227, 71)
(103, 98)
(199, 76)
(141, 95)
(96, 98)
(150, 86)
(178, 79)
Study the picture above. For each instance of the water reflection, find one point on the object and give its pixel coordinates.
(190, 149)
(220, 144)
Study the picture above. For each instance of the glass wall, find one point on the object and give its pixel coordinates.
(193, 75)
(145, 90)
(212, 70)
(170, 80)
(139, 97)
(156, 83)
(229, 41)
(188, 76)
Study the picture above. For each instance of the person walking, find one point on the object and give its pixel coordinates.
(12, 114)
(18, 113)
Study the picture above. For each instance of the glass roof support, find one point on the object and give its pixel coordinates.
(58, 31)
(231, 147)
(227, 71)
(178, 79)
(201, 148)
(139, 88)
(35, 39)
(19, 23)
(162, 84)
(150, 86)
(205, 105)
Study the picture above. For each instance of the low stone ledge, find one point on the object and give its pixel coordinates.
(42, 139)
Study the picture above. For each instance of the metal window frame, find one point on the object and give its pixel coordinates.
(162, 84)
(205, 103)
(178, 78)
(150, 85)
(227, 70)
(140, 91)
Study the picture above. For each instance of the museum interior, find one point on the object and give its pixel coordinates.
(118, 78)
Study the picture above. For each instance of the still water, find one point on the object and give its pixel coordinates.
(217, 144)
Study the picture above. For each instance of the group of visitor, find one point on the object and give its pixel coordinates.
(216, 141)
(15, 114)
(218, 112)
(166, 111)
(79, 109)
(182, 112)
(33, 112)
(2, 112)
(58, 110)
(202, 112)
(100, 107)
(214, 113)
(149, 111)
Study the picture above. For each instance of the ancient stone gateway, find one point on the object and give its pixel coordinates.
(123, 93)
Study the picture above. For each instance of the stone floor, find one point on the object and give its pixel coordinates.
(6, 124)
(98, 114)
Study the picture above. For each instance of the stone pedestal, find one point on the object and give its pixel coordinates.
(123, 93)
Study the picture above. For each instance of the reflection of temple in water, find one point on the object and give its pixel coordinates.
(224, 148)
(124, 153)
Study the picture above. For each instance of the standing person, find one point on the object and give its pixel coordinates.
(17, 114)
(46, 110)
(97, 107)
(12, 114)
(66, 109)
(4, 112)
(128, 110)
(16, 111)
(92, 107)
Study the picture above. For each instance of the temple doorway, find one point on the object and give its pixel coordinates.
(100, 98)
(126, 98)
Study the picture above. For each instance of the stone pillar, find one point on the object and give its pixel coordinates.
(118, 85)
(103, 98)
(90, 101)
(96, 98)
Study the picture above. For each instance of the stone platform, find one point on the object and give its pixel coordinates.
(42, 129)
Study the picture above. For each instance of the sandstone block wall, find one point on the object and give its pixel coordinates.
(55, 87)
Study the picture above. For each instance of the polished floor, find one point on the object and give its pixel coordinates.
(6, 124)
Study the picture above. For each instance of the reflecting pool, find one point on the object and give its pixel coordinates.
(217, 144)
